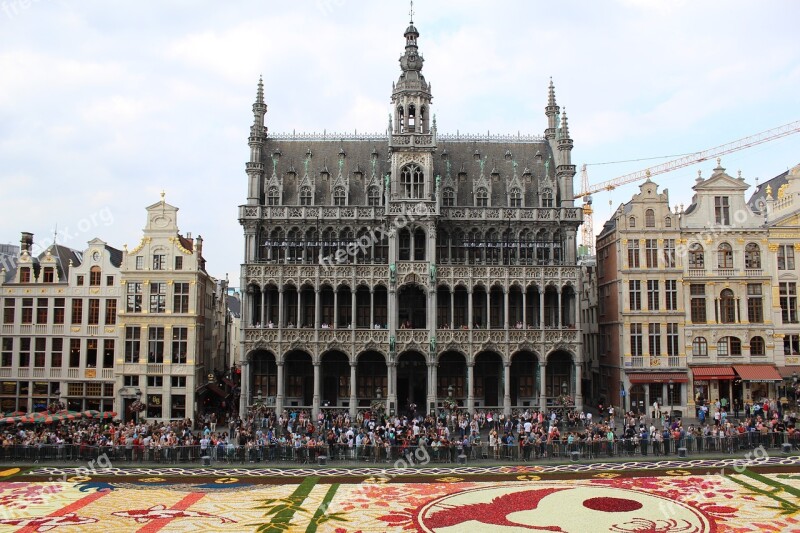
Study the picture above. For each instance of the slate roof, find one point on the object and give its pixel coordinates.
(759, 194)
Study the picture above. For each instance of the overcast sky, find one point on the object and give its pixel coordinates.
(104, 104)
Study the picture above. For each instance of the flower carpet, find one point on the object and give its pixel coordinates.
(679, 497)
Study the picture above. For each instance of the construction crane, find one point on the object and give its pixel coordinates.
(685, 161)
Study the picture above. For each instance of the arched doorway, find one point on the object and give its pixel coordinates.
(412, 382)
(299, 379)
(559, 375)
(411, 307)
(263, 377)
(371, 376)
(524, 379)
(488, 375)
(452, 372)
(335, 379)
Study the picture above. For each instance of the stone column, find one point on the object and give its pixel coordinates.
(525, 308)
(470, 387)
(244, 393)
(507, 388)
(335, 308)
(263, 309)
(391, 374)
(299, 324)
(470, 324)
(281, 389)
(579, 386)
(542, 386)
(452, 309)
(281, 313)
(352, 309)
(353, 397)
(541, 309)
(559, 318)
(371, 308)
(505, 307)
(432, 392)
(488, 308)
(317, 309)
(315, 402)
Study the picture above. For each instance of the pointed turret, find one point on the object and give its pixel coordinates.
(258, 134)
(551, 110)
(565, 170)
(411, 95)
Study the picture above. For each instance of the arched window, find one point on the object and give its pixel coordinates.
(273, 197)
(727, 307)
(752, 256)
(724, 256)
(515, 198)
(412, 181)
(482, 197)
(305, 195)
(94, 276)
(547, 198)
(401, 125)
(374, 196)
(632, 222)
(696, 256)
(668, 222)
(723, 347)
(699, 347)
(448, 197)
(649, 219)
(757, 346)
(277, 245)
(404, 244)
(339, 196)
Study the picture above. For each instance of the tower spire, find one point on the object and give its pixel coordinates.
(551, 111)
(411, 12)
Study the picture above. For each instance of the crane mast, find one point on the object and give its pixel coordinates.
(685, 161)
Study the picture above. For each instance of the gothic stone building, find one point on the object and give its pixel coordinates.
(410, 267)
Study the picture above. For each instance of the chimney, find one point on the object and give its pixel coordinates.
(198, 245)
(26, 242)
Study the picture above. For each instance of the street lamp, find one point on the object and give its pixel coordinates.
(671, 387)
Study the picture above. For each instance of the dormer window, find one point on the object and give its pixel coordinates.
(273, 197)
(515, 198)
(374, 196)
(25, 275)
(448, 197)
(632, 222)
(482, 197)
(547, 198)
(305, 195)
(668, 222)
(48, 276)
(339, 197)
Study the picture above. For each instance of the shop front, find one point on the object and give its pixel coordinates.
(668, 389)
(760, 382)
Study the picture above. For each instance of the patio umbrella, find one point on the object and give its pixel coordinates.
(90, 413)
(69, 415)
(9, 420)
(107, 415)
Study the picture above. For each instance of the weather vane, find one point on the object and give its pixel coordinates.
(411, 11)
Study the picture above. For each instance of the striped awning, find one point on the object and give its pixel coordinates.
(658, 377)
(713, 372)
(758, 373)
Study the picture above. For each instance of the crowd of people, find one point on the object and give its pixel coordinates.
(527, 434)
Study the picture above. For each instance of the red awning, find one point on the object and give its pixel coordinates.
(712, 372)
(658, 377)
(212, 387)
(787, 371)
(758, 373)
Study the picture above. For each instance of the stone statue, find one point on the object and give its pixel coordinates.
(438, 181)
(393, 273)
(432, 272)
(433, 345)
(391, 343)
(547, 167)
(274, 166)
(305, 164)
(483, 163)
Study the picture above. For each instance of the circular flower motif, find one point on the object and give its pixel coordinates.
(152, 479)
(227, 480)
(529, 477)
(607, 475)
(678, 473)
(79, 479)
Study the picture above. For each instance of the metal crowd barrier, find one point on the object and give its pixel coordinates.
(453, 453)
